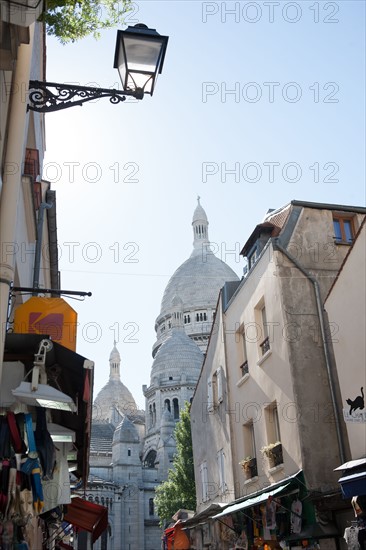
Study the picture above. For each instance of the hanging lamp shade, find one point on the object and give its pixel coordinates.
(139, 58)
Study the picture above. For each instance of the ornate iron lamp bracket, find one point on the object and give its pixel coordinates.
(46, 97)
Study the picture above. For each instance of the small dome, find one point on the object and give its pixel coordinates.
(126, 432)
(199, 215)
(114, 356)
(114, 395)
(176, 355)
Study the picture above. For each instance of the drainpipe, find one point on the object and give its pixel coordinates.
(17, 128)
(37, 259)
(324, 342)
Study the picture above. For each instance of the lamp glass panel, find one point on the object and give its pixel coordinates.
(122, 68)
(142, 54)
(138, 80)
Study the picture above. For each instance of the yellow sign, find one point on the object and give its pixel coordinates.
(51, 316)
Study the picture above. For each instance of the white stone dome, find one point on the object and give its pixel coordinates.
(199, 215)
(177, 356)
(114, 395)
(115, 355)
(197, 282)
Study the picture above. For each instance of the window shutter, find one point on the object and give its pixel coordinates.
(210, 403)
(220, 385)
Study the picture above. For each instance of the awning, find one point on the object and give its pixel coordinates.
(351, 464)
(250, 501)
(204, 515)
(87, 516)
(65, 370)
(353, 484)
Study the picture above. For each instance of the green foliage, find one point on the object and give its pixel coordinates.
(71, 20)
(179, 490)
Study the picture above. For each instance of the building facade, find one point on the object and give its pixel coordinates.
(131, 452)
(44, 383)
(266, 411)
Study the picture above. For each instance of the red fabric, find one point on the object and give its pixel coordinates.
(181, 541)
(16, 440)
(87, 516)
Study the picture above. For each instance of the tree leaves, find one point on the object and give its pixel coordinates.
(71, 20)
(179, 490)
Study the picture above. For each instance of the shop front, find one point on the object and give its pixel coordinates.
(280, 516)
(353, 486)
(45, 417)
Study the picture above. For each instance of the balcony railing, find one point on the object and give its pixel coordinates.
(244, 368)
(265, 345)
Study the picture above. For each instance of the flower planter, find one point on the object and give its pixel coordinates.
(274, 454)
(250, 467)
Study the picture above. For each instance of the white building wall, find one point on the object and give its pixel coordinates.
(346, 311)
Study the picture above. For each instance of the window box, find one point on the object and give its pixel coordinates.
(273, 452)
(249, 466)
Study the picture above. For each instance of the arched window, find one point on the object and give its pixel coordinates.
(151, 506)
(197, 317)
(151, 419)
(150, 459)
(204, 317)
(128, 452)
(167, 404)
(201, 317)
(154, 414)
(175, 408)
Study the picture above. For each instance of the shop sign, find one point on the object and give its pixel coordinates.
(355, 416)
(51, 316)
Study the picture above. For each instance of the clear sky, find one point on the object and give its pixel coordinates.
(259, 103)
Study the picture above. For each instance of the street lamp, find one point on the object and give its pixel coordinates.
(139, 58)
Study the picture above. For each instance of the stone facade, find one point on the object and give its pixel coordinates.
(268, 372)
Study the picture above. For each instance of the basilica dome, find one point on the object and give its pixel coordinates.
(197, 283)
(114, 396)
(178, 357)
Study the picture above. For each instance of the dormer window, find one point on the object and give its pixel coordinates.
(343, 229)
(252, 256)
(257, 241)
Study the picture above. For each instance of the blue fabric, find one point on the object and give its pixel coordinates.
(45, 447)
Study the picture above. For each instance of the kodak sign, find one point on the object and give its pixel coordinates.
(51, 316)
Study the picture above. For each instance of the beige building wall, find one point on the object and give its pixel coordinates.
(268, 382)
(346, 308)
(210, 419)
(283, 392)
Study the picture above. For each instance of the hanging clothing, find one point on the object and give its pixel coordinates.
(351, 537)
(271, 513)
(57, 490)
(296, 509)
(44, 444)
